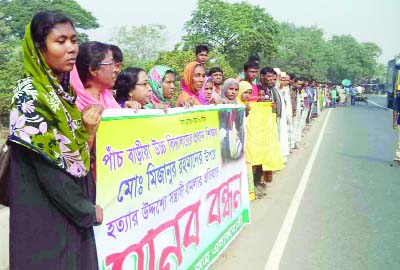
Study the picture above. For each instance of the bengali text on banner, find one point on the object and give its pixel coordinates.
(173, 186)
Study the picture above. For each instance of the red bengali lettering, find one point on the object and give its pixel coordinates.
(117, 260)
(224, 196)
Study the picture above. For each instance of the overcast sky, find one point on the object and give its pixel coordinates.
(366, 20)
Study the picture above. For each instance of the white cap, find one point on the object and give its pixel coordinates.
(277, 70)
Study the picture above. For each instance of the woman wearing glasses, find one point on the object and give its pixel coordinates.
(133, 85)
(97, 74)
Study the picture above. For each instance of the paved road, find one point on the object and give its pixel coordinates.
(349, 216)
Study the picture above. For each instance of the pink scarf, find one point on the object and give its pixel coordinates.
(202, 96)
(84, 99)
(186, 90)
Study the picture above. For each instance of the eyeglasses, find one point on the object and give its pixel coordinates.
(108, 63)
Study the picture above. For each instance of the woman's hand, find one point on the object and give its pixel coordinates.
(214, 101)
(189, 103)
(99, 214)
(132, 104)
(161, 106)
(91, 117)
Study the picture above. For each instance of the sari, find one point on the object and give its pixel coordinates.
(50, 189)
(44, 117)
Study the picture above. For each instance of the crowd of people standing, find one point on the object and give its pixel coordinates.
(57, 108)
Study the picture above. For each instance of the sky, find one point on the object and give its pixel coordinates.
(367, 20)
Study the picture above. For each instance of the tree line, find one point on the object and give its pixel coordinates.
(233, 31)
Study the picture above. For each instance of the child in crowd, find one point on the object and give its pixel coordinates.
(261, 95)
(201, 52)
(230, 90)
(217, 76)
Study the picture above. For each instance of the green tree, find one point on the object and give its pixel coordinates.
(305, 51)
(236, 30)
(10, 61)
(302, 50)
(14, 15)
(352, 60)
(18, 13)
(140, 44)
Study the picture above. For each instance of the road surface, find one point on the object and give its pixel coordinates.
(348, 216)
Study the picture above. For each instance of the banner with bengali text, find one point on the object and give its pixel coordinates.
(173, 186)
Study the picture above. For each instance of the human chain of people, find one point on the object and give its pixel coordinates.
(191, 184)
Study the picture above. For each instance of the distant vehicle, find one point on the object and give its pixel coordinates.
(393, 80)
(370, 88)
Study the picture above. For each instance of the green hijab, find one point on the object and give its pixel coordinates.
(156, 76)
(44, 117)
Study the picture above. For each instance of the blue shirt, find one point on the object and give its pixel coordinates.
(312, 91)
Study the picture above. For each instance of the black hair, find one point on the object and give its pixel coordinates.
(292, 76)
(215, 70)
(251, 64)
(201, 48)
(299, 79)
(253, 58)
(43, 22)
(169, 71)
(117, 53)
(90, 55)
(125, 82)
(266, 70)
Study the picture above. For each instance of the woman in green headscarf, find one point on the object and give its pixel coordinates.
(162, 82)
(51, 192)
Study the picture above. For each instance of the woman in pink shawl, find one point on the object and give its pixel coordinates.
(97, 74)
(206, 92)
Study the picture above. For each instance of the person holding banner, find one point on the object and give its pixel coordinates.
(50, 188)
(192, 82)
